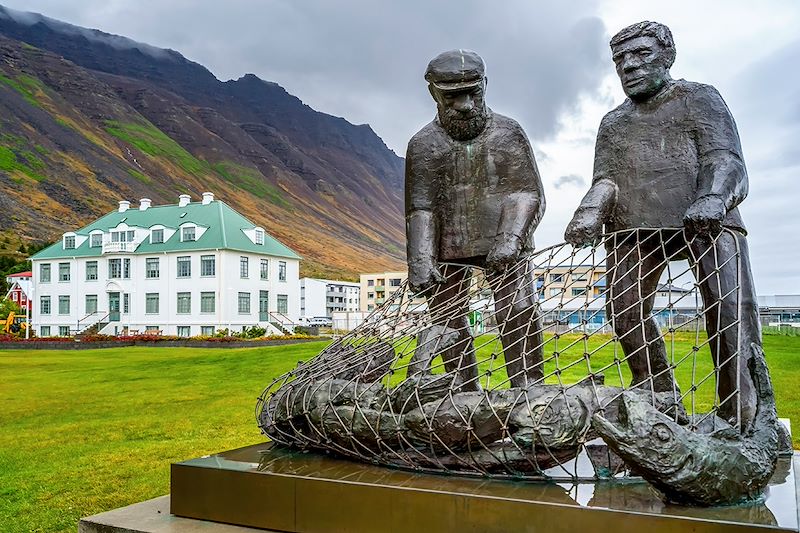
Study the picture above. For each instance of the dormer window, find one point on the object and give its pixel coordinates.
(187, 233)
(260, 236)
(96, 240)
(69, 242)
(157, 236)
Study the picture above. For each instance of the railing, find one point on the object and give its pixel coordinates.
(90, 320)
(284, 322)
(119, 247)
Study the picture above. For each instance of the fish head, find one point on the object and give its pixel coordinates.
(648, 440)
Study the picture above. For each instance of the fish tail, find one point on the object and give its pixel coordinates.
(766, 416)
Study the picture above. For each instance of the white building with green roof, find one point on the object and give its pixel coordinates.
(184, 269)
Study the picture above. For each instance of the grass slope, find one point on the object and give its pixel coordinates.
(89, 431)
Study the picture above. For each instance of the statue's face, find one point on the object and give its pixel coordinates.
(642, 66)
(462, 113)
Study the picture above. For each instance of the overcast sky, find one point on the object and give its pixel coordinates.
(548, 65)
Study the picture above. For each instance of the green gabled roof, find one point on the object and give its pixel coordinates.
(225, 231)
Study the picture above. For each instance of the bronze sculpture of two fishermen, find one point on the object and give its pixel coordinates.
(668, 160)
(668, 177)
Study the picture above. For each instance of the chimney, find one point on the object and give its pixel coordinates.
(183, 200)
(144, 203)
(208, 197)
(124, 205)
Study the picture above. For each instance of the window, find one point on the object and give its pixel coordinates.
(152, 267)
(244, 267)
(579, 276)
(184, 267)
(187, 233)
(44, 273)
(370, 283)
(157, 236)
(91, 270)
(153, 330)
(394, 282)
(69, 242)
(123, 236)
(208, 265)
(63, 305)
(184, 331)
(556, 278)
(151, 303)
(184, 303)
(244, 303)
(126, 303)
(577, 291)
(556, 292)
(96, 240)
(206, 331)
(91, 303)
(259, 236)
(126, 268)
(115, 268)
(44, 331)
(63, 331)
(207, 302)
(281, 270)
(44, 305)
(283, 303)
(63, 272)
(265, 269)
(370, 295)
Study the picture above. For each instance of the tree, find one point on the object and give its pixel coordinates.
(8, 306)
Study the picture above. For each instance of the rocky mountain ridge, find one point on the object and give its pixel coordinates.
(87, 119)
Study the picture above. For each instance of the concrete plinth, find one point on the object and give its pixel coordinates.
(152, 516)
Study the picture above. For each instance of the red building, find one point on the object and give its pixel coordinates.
(20, 288)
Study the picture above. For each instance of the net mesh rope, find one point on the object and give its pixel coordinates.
(498, 374)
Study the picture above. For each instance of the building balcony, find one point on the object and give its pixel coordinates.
(119, 247)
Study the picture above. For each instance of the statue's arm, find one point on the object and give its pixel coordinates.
(598, 204)
(722, 182)
(422, 242)
(523, 208)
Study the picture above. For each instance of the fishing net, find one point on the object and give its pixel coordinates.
(499, 373)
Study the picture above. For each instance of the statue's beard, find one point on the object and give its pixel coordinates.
(463, 126)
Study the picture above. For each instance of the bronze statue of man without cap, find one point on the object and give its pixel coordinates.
(669, 157)
(473, 196)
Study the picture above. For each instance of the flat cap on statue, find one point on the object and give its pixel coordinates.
(455, 69)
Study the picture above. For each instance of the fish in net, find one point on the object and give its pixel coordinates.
(500, 374)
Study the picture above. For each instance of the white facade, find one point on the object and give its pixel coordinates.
(323, 297)
(132, 291)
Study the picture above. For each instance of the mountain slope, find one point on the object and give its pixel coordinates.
(87, 119)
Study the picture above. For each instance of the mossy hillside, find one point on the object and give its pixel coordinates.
(154, 142)
(18, 160)
(250, 180)
(25, 85)
(144, 178)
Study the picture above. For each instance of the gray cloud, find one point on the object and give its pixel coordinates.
(364, 60)
(570, 180)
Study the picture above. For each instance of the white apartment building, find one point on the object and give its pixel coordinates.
(184, 269)
(323, 297)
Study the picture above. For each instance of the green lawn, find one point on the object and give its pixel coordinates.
(88, 431)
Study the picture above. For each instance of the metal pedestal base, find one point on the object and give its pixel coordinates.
(273, 488)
